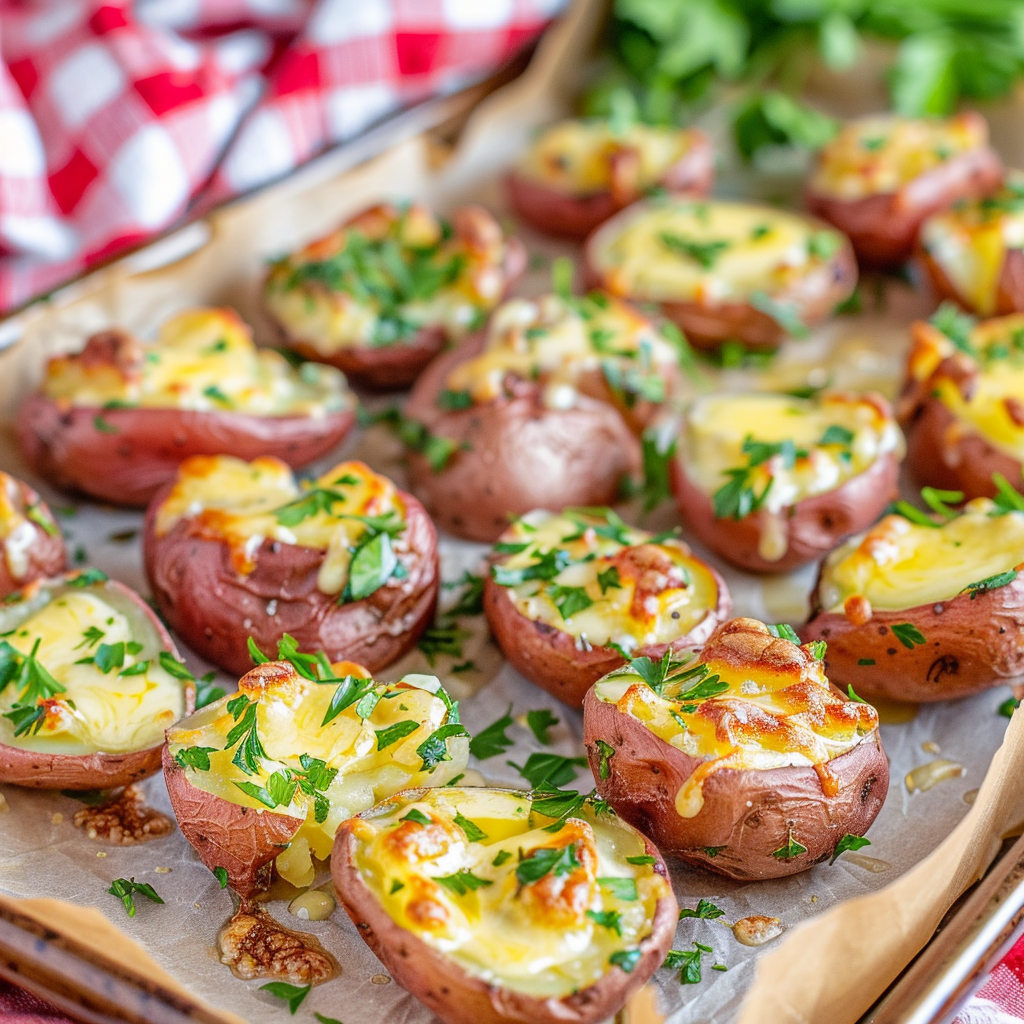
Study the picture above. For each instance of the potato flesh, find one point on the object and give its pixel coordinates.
(882, 153)
(17, 533)
(664, 605)
(289, 723)
(536, 938)
(237, 501)
(552, 338)
(898, 564)
(205, 361)
(717, 426)
(764, 250)
(113, 713)
(576, 157)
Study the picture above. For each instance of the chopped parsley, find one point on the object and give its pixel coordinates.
(705, 254)
(557, 860)
(462, 882)
(994, 582)
(493, 740)
(549, 770)
(606, 752)
(539, 722)
(790, 850)
(705, 911)
(908, 634)
(849, 842)
(126, 889)
(687, 962)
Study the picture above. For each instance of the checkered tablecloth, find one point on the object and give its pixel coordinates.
(119, 116)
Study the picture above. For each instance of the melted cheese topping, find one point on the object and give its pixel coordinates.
(109, 712)
(241, 504)
(292, 723)
(969, 242)
(619, 586)
(379, 279)
(763, 718)
(883, 153)
(540, 937)
(16, 531)
(205, 361)
(674, 250)
(560, 341)
(991, 402)
(716, 428)
(898, 564)
(581, 158)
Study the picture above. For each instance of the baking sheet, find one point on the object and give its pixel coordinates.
(42, 854)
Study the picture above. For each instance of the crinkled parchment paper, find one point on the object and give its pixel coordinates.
(864, 917)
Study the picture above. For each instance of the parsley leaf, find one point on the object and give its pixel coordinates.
(539, 722)
(493, 740)
(849, 842)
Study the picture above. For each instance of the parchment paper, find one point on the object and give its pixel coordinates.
(828, 970)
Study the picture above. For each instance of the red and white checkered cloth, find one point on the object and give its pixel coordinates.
(117, 117)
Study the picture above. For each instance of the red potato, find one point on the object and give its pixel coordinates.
(137, 451)
(514, 453)
(495, 264)
(450, 991)
(812, 527)
(945, 449)
(554, 658)
(884, 226)
(749, 817)
(566, 214)
(39, 769)
(215, 608)
(1009, 296)
(31, 545)
(790, 300)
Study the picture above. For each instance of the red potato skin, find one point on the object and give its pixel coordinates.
(972, 644)
(813, 297)
(884, 227)
(214, 609)
(520, 455)
(46, 555)
(1009, 288)
(458, 997)
(39, 770)
(575, 216)
(940, 456)
(750, 813)
(549, 657)
(814, 526)
(142, 449)
(242, 840)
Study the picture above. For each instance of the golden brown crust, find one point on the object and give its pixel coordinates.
(458, 997)
(215, 609)
(550, 658)
(811, 296)
(515, 454)
(813, 526)
(242, 840)
(135, 452)
(40, 770)
(45, 555)
(884, 227)
(972, 643)
(568, 216)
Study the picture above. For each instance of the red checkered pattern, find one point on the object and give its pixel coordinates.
(118, 117)
(1000, 1000)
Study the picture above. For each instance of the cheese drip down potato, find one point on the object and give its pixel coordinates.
(972, 251)
(882, 176)
(89, 681)
(381, 295)
(771, 482)
(578, 173)
(926, 608)
(541, 411)
(743, 759)
(492, 906)
(346, 564)
(567, 592)
(962, 405)
(31, 545)
(115, 420)
(264, 777)
(724, 271)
